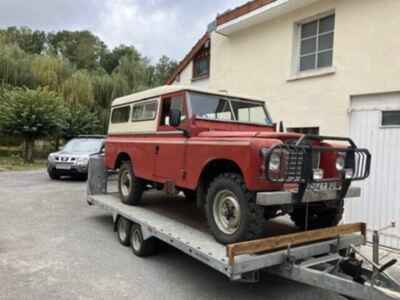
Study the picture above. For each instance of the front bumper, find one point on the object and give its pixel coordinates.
(74, 169)
(290, 198)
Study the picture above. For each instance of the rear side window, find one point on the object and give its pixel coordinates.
(144, 111)
(120, 114)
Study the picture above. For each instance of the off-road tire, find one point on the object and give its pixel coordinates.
(123, 228)
(252, 221)
(141, 247)
(318, 217)
(137, 187)
(53, 174)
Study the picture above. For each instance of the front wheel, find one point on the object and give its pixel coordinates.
(53, 174)
(130, 187)
(231, 209)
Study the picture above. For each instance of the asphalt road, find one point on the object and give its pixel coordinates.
(54, 246)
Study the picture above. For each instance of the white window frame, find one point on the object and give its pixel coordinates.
(296, 73)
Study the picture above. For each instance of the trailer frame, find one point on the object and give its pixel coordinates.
(325, 258)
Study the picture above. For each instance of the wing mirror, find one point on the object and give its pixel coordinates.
(175, 117)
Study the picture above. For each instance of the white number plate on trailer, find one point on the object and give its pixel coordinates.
(63, 166)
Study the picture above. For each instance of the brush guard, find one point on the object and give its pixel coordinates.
(297, 167)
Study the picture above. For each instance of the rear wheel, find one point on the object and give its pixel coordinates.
(124, 231)
(130, 187)
(317, 217)
(141, 247)
(231, 209)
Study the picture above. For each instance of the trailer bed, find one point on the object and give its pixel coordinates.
(170, 220)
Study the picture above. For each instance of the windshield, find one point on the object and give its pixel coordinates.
(83, 145)
(228, 109)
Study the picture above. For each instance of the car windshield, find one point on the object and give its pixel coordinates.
(83, 145)
(228, 109)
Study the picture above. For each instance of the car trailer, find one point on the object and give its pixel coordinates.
(326, 258)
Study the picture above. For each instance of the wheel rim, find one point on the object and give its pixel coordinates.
(126, 183)
(136, 240)
(226, 211)
(122, 229)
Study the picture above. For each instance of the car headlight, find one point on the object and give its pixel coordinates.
(82, 160)
(274, 162)
(340, 162)
(51, 157)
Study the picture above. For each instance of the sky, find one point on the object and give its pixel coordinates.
(154, 27)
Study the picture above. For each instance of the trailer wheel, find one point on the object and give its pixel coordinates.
(318, 217)
(141, 247)
(231, 210)
(130, 187)
(124, 231)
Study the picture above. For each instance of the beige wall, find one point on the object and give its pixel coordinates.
(186, 79)
(258, 61)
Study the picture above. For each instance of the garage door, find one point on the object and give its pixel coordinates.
(375, 124)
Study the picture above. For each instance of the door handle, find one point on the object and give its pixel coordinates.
(157, 149)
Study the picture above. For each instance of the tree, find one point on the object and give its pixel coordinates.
(163, 70)
(103, 88)
(31, 114)
(111, 59)
(79, 120)
(33, 42)
(82, 48)
(78, 89)
(15, 67)
(51, 71)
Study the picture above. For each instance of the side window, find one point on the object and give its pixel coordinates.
(176, 102)
(144, 111)
(120, 115)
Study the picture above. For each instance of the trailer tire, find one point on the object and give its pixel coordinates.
(141, 247)
(318, 217)
(130, 187)
(230, 204)
(124, 231)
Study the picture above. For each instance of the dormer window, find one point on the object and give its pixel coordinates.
(201, 63)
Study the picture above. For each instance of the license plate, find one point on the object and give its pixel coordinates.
(324, 186)
(63, 167)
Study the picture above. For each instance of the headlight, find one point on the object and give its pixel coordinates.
(274, 162)
(82, 160)
(340, 162)
(51, 157)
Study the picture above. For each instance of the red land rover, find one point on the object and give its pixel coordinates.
(224, 151)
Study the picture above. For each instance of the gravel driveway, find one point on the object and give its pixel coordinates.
(54, 246)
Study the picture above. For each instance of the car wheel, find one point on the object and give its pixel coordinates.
(317, 217)
(130, 187)
(141, 247)
(231, 210)
(53, 174)
(124, 231)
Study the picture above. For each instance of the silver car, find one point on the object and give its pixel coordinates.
(73, 159)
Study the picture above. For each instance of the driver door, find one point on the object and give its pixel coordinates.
(170, 148)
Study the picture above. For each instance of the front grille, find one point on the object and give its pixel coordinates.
(298, 162)
(65, 159)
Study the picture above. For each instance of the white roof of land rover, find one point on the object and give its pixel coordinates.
(167, 89)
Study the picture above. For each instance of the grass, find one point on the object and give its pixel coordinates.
(16, 163)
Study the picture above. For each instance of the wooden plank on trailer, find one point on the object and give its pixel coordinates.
(294, 239)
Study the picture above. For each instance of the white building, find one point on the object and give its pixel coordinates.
(323, 66)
